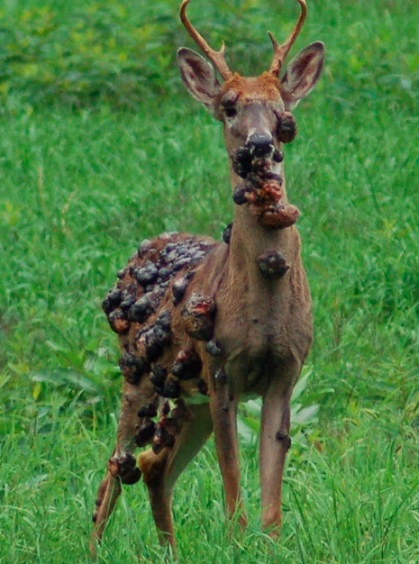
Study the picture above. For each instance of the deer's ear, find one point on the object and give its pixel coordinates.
(198, 76)
(302, 74)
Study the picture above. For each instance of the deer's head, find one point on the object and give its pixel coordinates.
(255, 111)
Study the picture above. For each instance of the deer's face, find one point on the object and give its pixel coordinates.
(251, 108)
(256, 115)
(252, 112)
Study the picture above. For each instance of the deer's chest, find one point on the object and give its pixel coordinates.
(260, 335)
(254, 348)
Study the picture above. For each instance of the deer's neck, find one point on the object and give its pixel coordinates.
(259, 294)
(253, 309)
(249, 239)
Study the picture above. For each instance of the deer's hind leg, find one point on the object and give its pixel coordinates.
(121, 468)
(161, 471)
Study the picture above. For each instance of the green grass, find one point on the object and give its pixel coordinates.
(80, 188)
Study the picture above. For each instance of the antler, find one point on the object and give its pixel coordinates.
(281, 51)
(217, 57)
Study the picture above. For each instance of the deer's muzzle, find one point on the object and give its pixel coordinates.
(260, 145)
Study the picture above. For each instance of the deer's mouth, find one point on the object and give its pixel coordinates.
(261, 188)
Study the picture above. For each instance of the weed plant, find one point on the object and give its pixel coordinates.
(100, 147)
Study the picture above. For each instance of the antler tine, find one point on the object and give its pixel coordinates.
(281, 51)
(217, 57)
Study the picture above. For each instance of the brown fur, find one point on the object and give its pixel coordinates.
(264, 87)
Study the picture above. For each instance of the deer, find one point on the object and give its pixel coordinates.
(205, 324)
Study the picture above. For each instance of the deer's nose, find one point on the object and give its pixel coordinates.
(260, 144)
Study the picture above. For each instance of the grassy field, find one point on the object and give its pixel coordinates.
(90, 165)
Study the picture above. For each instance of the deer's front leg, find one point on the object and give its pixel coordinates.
(224, 420)
(274, 444)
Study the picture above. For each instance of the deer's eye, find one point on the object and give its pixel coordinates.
(228, 103)
(230, 111)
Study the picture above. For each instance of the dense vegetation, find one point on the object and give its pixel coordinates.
(101, 147)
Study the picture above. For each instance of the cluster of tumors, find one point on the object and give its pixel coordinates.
(261, 187)
(150, 296)
(159, 317)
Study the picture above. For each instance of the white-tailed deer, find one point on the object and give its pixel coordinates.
(205, 324)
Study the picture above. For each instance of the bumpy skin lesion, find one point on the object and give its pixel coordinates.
(124, 468)
(150, 298)
(261, 188)
(158, 320)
